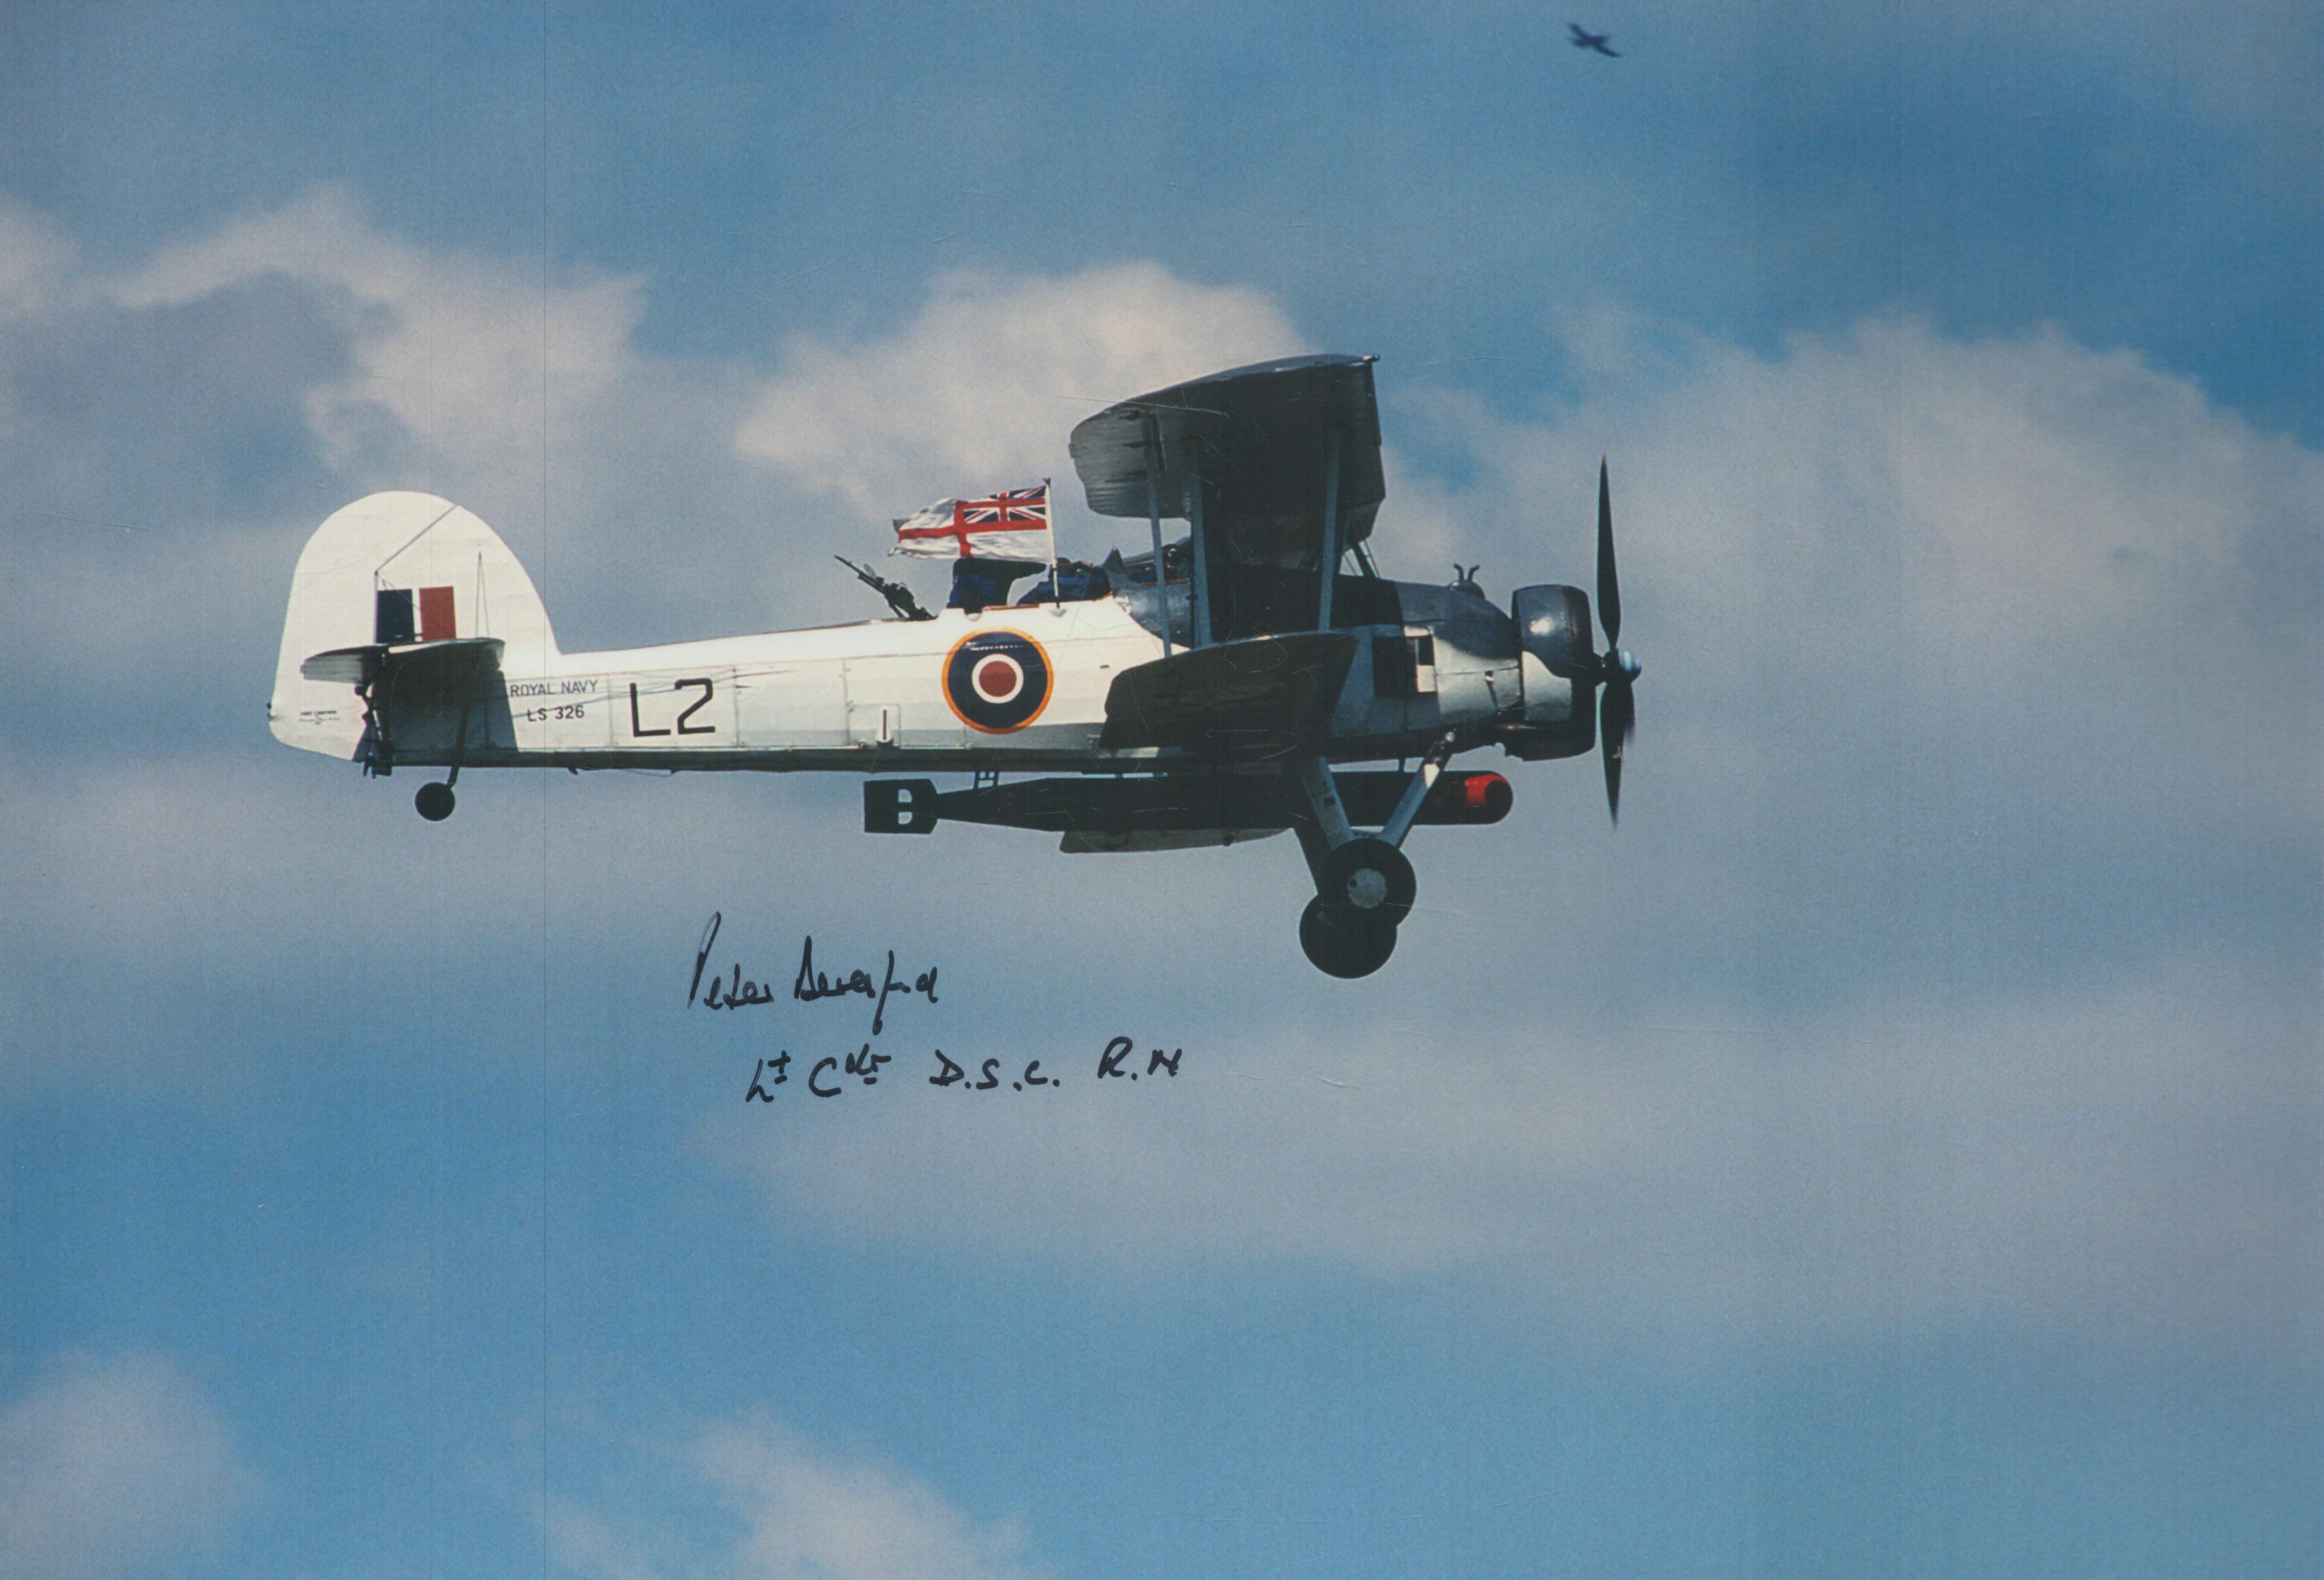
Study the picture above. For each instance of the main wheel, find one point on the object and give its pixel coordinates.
(1346, 944)
(434, 801)
(1372, 877)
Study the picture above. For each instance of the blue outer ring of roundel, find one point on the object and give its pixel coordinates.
(997, 681)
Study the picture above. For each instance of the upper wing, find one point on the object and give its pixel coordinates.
(1259, 441)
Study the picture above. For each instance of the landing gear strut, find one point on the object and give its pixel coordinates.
(1364, 886)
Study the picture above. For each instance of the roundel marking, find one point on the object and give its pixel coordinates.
(997, 681)
(997, 678)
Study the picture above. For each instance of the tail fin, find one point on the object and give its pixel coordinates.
(393, 568)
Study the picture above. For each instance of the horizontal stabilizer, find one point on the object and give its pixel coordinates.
(346, 666)
(449, 664)
(1261, 697)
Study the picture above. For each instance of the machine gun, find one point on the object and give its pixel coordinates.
(898, 596)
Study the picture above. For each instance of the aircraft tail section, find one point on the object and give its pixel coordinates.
(394, 569)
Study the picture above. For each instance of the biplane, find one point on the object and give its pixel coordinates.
(1217, 687)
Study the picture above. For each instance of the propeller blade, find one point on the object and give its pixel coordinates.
(1610, 586)
(1617, 713)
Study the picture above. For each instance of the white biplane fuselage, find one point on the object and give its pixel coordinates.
(874, 696)
(1023, 687)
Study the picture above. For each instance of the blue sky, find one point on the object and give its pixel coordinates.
(1893, 1153)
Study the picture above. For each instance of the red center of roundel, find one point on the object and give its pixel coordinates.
(997, 678)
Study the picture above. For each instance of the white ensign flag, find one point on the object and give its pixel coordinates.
(1008, 526)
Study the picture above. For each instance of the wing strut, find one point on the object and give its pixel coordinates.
(1154, 523)
(1331, 534)
(1199, 589)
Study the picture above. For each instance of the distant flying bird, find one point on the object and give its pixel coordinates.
(1590, 41)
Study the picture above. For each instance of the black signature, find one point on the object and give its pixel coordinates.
(740, 992)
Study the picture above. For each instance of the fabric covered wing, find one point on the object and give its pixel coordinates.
(1259, 439)
(1261, 697)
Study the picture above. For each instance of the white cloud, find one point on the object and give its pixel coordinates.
(791, 1512)
(811, 1517)
(109, 1466)
(2012, 551)
(459, 351)
(2109, 1164)
(262, 370)
(471, 374)
(2029, 480)
(982, 388)
(529, 399)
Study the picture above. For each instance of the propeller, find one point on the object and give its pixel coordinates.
(1616, 669)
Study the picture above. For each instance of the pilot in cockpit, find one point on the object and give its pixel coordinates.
(979, 584)
(1075, 582)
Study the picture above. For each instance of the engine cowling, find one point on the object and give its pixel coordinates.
(1559, 670)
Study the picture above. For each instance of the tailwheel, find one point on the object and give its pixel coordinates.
(434, 802)
(1341, 941)
(1370, 876)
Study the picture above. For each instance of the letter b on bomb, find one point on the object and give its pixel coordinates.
(900, 806)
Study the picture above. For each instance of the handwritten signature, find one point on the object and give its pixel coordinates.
(740, 992)
(830, 1076)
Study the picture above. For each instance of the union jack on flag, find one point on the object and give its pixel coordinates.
(1014, 525)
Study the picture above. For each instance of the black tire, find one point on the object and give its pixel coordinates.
(434, 802)
(1345, 944)
(1369, 877)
